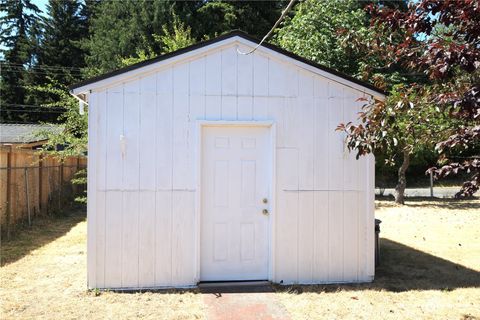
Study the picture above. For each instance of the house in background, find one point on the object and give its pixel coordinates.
(25, 136)
(207, 164)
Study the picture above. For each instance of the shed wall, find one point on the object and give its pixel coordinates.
(142, 191)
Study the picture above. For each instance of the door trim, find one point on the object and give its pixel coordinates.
(200, 124)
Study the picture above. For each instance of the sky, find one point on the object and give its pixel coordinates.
(41, 4)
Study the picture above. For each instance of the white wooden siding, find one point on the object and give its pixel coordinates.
(141, 208)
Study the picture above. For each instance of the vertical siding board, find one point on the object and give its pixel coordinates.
(306, 130)
(276, 112)
(350, 236)
(286, 251)
(245, 108)
(163, 239)
(305, 84)
(321, 235)
(305, 237)
(114, 156)
(335, 228)
(350, 164)
(245, 72)
(292, 123)
(164, 130)
(197, 77)
(183, 239)
(130, 234)
(321, 134)
(101, 137)
(229, 71)
(197, 111)
(146, 243)
(181, 156)
(292, 89)
(260, 108)
(101, 241)
(147, 137)
(336, 139)
(213, 69)
(113, 239)
(131, 131)
(277, 78)
(362, 236)
(229, 108)
(213, 107)
(260, 75)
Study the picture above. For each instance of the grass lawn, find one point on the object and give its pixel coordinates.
(430, 270)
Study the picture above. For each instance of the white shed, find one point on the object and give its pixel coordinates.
(210, 165)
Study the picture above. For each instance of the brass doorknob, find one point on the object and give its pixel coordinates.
(265, 212)
(265, 200)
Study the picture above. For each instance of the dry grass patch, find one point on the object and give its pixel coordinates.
(44, 277)
(430, 268)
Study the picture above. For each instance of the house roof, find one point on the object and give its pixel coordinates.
(232, 34)
(25, 133)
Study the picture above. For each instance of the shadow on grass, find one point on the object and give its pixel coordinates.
(402, 269)
(440, 203)
(43, 231)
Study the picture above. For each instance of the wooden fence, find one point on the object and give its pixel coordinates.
(32, 185)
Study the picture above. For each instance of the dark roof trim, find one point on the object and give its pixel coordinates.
(218, 39)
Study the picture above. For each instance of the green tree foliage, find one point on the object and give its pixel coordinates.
(450, 56)
(176, 37)
(18, 32)
(315, 29)
(254, 17)
(126, 29)
(337, 34)
(73, 140)
(121, 29)
(64, 28)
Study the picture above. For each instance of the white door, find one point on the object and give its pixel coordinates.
(236, 170)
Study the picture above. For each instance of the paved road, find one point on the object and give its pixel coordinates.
(439, 192)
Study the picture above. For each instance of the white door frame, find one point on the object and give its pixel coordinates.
(198, 179)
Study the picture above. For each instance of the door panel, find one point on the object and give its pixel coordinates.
(235, 180)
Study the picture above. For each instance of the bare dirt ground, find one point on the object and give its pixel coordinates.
(430, 270)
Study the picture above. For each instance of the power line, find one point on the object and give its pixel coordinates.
(28, 106)
(32, 111)
(282, 16)
(42, 66)
(42, 72)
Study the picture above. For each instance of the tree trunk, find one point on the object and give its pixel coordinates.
(402, 180)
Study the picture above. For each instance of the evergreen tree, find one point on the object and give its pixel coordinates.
(18, 23)
(254, 17)
(122, 29)
(61, 55)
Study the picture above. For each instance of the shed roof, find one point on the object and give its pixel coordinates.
(218, 39)
(25, 133)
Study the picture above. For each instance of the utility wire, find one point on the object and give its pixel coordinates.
(40, 66)
(282, 16)
(28, 106)
(33, 111)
